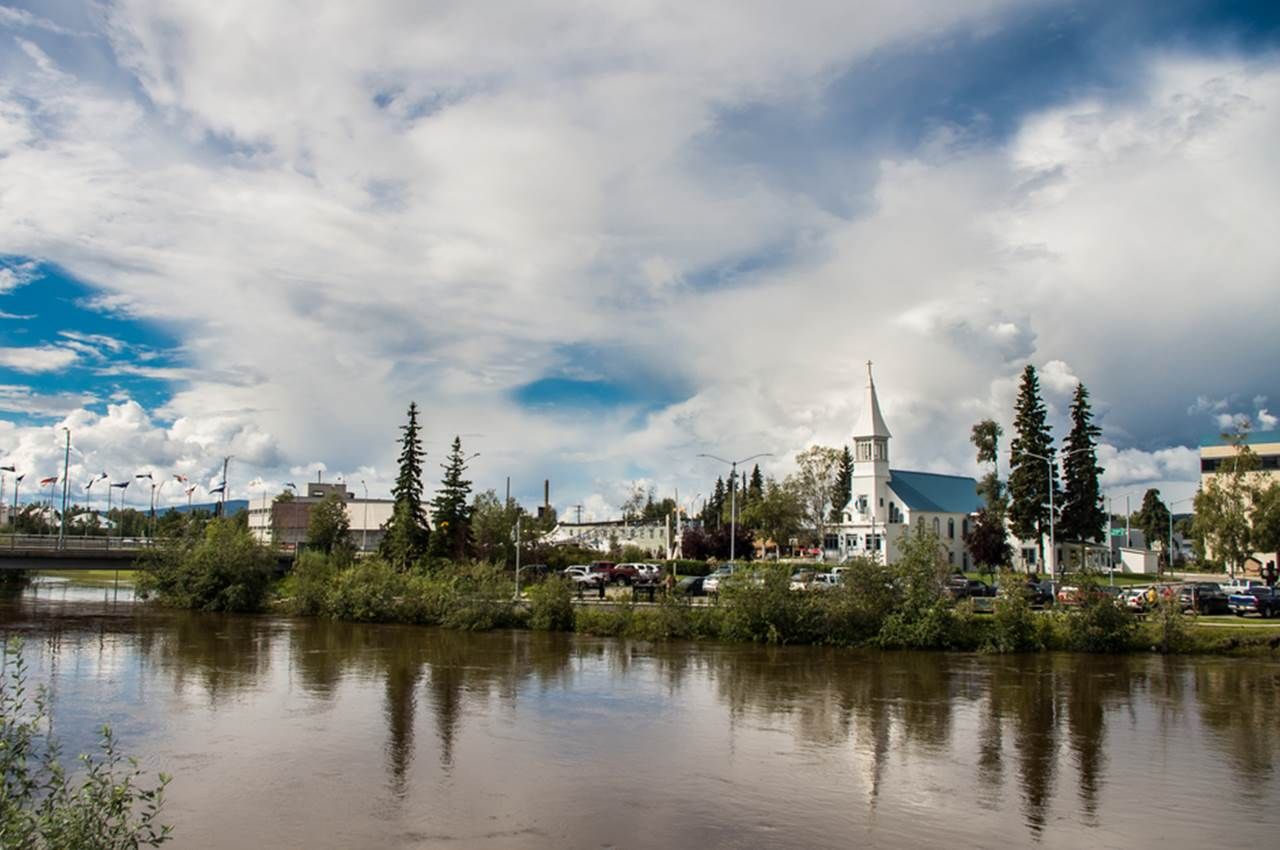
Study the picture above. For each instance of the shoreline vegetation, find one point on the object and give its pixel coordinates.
(899, 606)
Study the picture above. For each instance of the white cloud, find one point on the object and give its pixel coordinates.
(542, 181)
(37, 358)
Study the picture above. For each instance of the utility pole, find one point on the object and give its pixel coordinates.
(517, 555)
(66, 462)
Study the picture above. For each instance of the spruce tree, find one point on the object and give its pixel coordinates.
(406, 534)
(451, 508)
(755, 490)
(1029, 476)
(1083, 518)
(715, 505)
(843, 490)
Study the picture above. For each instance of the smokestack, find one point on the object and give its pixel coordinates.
(546, 493)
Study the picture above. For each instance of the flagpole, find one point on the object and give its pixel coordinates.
(66, 463)
(109, 486)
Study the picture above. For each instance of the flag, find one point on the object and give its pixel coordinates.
(291, 484)
(20, 477)
(121, 485)
(219, 489)
(7, 469)
(191, 489)
(102, 477)
(181, 478)
(143, 475)
(44, 481)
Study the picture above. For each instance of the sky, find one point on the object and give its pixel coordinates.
(598, 240)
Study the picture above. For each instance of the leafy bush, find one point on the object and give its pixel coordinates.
(1166, 627)
(482, 598)
(551, 605)
(311, 579)
(602, 620)
(226, 569)
(1099, 625)
(370, 591)
(1013, 624)
(762, 608)
(41, 807)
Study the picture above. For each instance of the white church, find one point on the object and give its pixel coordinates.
(884, 503)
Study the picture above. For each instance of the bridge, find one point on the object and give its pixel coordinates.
(47, 552)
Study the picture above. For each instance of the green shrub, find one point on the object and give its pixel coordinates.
(226, 569)
(482, 598)
(1166, 626)
(1099, 625)
(41, 806)
(761, 608)
(1013, 623)
(551, 605)
(370, 591)
(602, 620)
(310, 582)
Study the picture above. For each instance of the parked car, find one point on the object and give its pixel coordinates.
(802, 579)
(583, 574)
(602, 568)
(825, 581)
(648, 573)
(1134, 599)
(959, 587)
(1203, 597)
(712, 583)
(1039, 595)
(690, 586)
(626, 573)
(534, 573)
(1263, 601)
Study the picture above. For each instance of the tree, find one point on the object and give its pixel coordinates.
(451, 509)
(715, 505)
(1029, 476)
(1153, 518)
(407, 534)
(493, 527)
(843, 490)
(1082, 515)
(1221, 524)
(988, 542)
(816, 481)
(329, 527)
(1266, 520)
(634, 507)
(658, 511)
(755, 489)
(985, 437)
(778, 514)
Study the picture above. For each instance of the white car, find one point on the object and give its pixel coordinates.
(648, 573)
(824, 581)
(581, 574)
(711, 584)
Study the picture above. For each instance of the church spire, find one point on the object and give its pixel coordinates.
(870, 422)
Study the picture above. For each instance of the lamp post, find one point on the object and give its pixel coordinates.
(16, 481)
(66, 463)
(364, 531)
(733, 495)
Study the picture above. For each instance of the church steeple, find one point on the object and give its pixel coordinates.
(870, 422)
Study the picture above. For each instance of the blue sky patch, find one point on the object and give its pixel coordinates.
(106, 355)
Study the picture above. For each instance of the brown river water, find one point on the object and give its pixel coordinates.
(305, 733)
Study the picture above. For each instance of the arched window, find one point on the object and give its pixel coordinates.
(937, 526)
(951, 528)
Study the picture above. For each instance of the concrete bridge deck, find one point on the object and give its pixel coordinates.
(47, 552)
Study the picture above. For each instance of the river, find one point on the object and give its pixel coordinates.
(305, 733)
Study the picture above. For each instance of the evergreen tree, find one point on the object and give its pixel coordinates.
(755, 490)
(1153, 518)
(844, 486)
(1029, 476)
(329, 528)
(715, 505)
(1082, 515)
(407, 534)
(451, 508)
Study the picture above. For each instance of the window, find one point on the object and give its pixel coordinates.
(951, 528)
(1029, 555)
(873, 542)
(830, 541)
(965, 527)
(964, 558)
(951, 557)
(851, 541)
(937, 526)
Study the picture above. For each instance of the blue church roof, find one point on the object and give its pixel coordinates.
(928, 491)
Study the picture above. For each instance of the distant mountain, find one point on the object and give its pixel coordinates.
(232, 506)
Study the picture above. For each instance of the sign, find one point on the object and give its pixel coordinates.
(1117, 532)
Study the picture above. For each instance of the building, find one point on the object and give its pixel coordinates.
(1218, 448)
(884, 503)
(654, 538)
(283, 522)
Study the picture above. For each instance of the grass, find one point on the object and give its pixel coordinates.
(93, 578)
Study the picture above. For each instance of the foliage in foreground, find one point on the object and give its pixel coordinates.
(101, 808)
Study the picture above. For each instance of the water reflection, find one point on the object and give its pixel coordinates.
(836, 744)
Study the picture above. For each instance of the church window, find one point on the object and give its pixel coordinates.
(937, 526)
(964, 525)
(951, 528)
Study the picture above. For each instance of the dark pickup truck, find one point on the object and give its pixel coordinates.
(1262, 601)
(959, 587)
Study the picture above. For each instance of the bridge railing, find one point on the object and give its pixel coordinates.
(80, 543)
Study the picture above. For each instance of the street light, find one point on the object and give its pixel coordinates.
(364, 532)
(1053, 551)
(733, 495)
